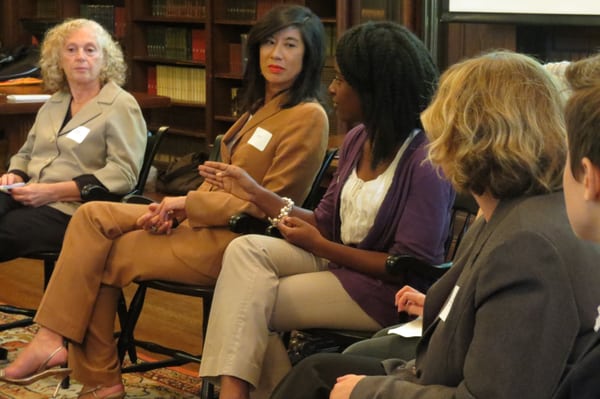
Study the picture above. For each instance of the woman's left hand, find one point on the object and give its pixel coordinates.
(301, 233)
(159, 217)
(34, 194)
(344, 386)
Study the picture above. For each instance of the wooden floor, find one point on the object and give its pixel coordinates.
(169, 319)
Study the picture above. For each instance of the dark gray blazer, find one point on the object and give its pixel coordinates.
(583, 380)
(526, 293)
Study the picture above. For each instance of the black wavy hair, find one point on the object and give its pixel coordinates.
(395, 78)
(308, 83)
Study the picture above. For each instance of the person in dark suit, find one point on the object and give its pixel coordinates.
(519, 304)
(581, 181)
(280, 140)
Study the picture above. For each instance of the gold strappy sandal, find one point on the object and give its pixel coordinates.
(42, 372)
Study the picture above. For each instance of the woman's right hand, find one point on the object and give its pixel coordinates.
(230, 178)
(410, 301)
(10, 178)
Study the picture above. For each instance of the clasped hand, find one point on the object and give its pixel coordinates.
(410, 301)
(160, 216)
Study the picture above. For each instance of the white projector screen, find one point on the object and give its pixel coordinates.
(559, 7)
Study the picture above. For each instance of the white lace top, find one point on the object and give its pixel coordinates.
(361, 200)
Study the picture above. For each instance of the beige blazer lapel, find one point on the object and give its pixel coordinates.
(93, 108)
(246, 125)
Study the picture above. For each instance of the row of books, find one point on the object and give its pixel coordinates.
(112, 17)
(176, 43)
(251, 9)
(179, 8)
(373, 10)
(330, 39)
(180, 83)
(46, 8)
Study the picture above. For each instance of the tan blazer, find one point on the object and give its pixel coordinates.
(282, 149)
(106, 138)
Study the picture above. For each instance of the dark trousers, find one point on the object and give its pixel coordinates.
(315, 376)
(26, 230)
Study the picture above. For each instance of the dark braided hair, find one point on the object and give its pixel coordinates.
(395, 78)
(308, 83)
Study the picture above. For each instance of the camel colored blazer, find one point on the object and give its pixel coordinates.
(106, 138)
(282, 149)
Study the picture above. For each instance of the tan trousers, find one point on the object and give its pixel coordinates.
(268, 285)
(103, 251)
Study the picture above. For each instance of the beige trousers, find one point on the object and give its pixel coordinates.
(103, 251)
(267, 285)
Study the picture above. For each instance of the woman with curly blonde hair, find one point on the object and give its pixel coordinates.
(518, 305)
(113, 67)
(91, 132)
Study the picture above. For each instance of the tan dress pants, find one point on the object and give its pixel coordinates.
(268, 285)
(103, 251)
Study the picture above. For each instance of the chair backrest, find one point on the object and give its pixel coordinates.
(215, 151)
(464, 211)
(317, 190)
(152, 145)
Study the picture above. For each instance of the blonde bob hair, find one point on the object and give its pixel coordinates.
(113, 65)
(496, 124)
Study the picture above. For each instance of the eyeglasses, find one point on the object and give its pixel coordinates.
(338, 79)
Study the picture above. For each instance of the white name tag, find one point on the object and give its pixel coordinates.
(448, 305)
(260, 138)
(78, 134)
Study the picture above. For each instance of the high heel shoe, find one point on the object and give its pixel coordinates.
(42, 372)
(91, 393)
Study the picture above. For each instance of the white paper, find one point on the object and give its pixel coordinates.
(27, 98)
(413, 328)
(78, 134)
(7, 187)
(260, 138)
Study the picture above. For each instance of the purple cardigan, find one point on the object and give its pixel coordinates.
(413, 219)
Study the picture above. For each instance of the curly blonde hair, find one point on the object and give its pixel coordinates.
(496, 124)
(113, 64)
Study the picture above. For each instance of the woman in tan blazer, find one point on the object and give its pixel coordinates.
(90, 132)
(280, 140)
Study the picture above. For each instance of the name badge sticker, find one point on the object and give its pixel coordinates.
(448, 305)
(260, 138)
(78, 134)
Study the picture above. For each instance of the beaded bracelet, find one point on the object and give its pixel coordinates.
(283, 212)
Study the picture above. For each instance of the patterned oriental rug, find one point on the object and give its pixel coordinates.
(173, 382)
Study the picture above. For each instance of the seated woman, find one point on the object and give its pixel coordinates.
(519, 303)
(330, 271)
(90, 132)
(280, 140)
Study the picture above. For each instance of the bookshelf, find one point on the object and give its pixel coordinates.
(167, 42)
(191, 50)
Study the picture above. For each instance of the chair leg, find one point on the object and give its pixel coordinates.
(48, 269)
(126, 342)
(207, 391)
